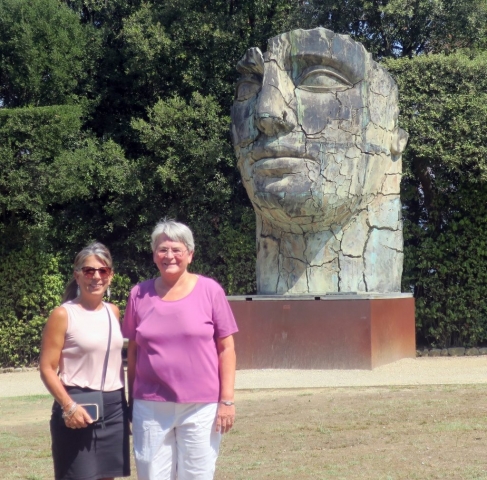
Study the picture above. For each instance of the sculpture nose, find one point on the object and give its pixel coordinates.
(271, 125)
(272, 112)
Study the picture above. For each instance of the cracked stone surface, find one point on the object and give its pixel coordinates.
(314, 126)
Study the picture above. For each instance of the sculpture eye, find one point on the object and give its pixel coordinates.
(246, 88)
(321, 79)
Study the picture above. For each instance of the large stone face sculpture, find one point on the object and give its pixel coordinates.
(314, 126)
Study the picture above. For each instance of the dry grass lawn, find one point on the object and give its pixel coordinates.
(421, 432)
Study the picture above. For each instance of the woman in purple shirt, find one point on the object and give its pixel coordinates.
(181, 363)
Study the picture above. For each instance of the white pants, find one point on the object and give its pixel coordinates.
(175, 440)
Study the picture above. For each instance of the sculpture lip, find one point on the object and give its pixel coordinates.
(280, 166)
(276, 152)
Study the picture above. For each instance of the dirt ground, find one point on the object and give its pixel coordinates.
(413, 432)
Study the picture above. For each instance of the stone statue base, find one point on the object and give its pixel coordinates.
(344, 331)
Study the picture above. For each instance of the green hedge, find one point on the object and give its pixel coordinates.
(31, 287)
(444, 192)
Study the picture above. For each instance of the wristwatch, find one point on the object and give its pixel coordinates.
(227, 403)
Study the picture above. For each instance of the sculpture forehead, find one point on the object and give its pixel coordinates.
(293, 51)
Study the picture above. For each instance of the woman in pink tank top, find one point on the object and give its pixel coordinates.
(77, 338)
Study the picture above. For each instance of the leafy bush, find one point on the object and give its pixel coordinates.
(30, 286)
(120, 289)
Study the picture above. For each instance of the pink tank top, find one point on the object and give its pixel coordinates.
(85, 346)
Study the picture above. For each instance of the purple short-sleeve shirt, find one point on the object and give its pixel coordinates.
(177, 359)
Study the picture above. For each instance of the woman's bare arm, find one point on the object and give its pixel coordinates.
(227, 364)
(131, 362)
(52, 345)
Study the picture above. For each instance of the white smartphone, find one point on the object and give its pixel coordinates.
(92, 409)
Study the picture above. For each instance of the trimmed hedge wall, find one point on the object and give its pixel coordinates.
(444, 192)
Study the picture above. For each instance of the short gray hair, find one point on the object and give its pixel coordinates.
(175, 231)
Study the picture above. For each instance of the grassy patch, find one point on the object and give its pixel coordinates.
(407, 433)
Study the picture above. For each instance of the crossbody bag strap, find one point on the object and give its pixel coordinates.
(105, 363)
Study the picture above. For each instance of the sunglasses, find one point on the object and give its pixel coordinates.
(89, 272)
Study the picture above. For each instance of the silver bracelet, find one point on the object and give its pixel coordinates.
(227, 403)
(71, 411)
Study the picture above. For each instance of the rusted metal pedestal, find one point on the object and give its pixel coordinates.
(326, 332)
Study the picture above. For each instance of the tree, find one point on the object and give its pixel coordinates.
(47, 166)
(404, 28)
(187, 46)
(46, 56)
(188, 173)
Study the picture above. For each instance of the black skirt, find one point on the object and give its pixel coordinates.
(97, 451)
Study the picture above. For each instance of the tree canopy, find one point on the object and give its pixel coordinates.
(47, 56)
(404, 28)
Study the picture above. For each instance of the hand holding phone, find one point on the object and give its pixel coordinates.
(92, 410)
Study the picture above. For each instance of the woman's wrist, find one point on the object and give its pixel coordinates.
(73, 406)
(67, 404)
